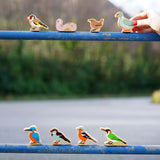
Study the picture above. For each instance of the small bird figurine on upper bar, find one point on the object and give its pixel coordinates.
(58, 137)
(68, 27)
(35, 23)
(95, 25)
(33, 135)
(112, 139)
(84, 137)
(124, 23)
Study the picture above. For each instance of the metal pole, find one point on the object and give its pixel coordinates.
(85, 36)
(67, 149)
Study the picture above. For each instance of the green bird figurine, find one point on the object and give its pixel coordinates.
(124, 23)
(112, 139)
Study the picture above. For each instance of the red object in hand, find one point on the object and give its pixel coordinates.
(135, 23)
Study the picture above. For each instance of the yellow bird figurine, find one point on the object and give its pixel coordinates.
(96, 25)
(35, 23)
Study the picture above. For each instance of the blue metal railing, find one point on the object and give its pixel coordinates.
(67, 149)
(85, 36)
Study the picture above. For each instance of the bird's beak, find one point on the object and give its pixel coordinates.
(26, 129)
(77, 128)
(116, 15)
(102, 129)
(28, 17)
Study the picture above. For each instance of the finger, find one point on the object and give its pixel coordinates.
(150, 30)
(140, 16)
(141, 28)
(147, 30)
(144, 22)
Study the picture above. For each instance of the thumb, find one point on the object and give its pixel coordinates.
(143, 22)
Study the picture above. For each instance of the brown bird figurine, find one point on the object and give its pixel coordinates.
(35, 23)
(96, 25)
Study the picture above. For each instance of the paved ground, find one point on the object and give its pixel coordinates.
(136, 120)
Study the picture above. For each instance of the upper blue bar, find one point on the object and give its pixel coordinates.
(78, 36)
(69, 149)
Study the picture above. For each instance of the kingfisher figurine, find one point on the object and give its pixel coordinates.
(68, 27)
(84, 137)
(96, 25)
(59, 137)
(112, 139)
(33, 135)
(35, 23)
(124, 23)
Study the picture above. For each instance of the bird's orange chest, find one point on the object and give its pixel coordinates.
(31, 138)
(81, 137)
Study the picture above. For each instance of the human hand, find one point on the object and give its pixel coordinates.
(146, 22)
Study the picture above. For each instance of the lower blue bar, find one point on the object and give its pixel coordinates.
(85, 36)
(67, 149)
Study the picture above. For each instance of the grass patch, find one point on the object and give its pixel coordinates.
(57, 97)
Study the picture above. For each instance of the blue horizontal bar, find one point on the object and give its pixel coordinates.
(67, 149)
(85, 36)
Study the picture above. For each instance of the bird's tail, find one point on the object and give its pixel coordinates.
(123, 141)
(102, 20)
(67, 140)
(93, 140)
(45, 26)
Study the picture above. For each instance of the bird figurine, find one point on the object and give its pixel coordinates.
(84, 137)
(33, 135)
(112, 139)
(124, 23)
(35, 23)
(96, 25)
(68, 27)
(58, 137)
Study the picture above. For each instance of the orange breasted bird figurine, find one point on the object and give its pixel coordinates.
(124, 23)
(58, 137)
(84, 137)
(35, 23)
(33, 135)
(68, 27)
(112, 139)
(96, 25)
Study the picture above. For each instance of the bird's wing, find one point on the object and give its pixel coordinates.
(35, 135)
(114, 137)
(62, 136)
(39, 23)
(127, 22)
(59, 134)
(84, 134)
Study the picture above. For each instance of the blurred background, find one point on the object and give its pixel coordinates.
(74, 68)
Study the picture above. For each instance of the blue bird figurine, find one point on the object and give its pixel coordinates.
(124, 23)
(33, 135)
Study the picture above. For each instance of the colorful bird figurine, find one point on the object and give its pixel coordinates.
(96, 25)
(124, 23)
(68, 27)
(58, 137)
(84, 137)
(35, 23)
(112, 139)
(33, 135)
